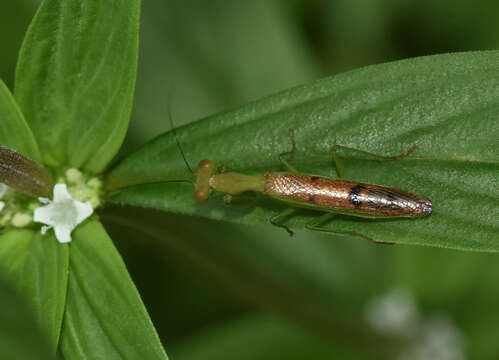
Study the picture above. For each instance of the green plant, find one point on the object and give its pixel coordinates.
(73, 96)
(70, 110)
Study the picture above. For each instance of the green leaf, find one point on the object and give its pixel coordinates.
(38, 266)
(14, 131)
(20, 337)
(75, 79)
(14, 245)
(104, 313)
(45, 282)
(447, 104)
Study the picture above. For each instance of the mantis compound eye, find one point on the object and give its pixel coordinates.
(202, 189)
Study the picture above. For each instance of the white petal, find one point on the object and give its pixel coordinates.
(63, 234)
(44, 200)
(61, 193)
(2, 205)
(44, 215)
(83, 210)
(45, 228)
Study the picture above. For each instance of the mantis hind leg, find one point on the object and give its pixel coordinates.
(278, 219)
(317, 224)
(339, 167)
(283, 161)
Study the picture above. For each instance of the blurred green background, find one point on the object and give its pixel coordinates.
(221, 291)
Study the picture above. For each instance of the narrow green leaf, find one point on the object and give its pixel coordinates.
(75, 79)
(446, 104)
(14, 245)
(20, 337)
(45, 280)
(104, 313)
(38, 266)
(14, 131)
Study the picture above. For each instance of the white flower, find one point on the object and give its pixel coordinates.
(63, 213)
(438, 338)
(394, 313)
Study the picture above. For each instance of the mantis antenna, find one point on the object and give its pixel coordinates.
(175, 135)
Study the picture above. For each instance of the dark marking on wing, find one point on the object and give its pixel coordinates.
(390, 196)
(354, 193)
(382, 199)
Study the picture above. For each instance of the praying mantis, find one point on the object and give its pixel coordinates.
(327, 195)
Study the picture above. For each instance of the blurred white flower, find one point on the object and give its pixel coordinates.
(63, 213)
(438, 338)
(394, 313)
